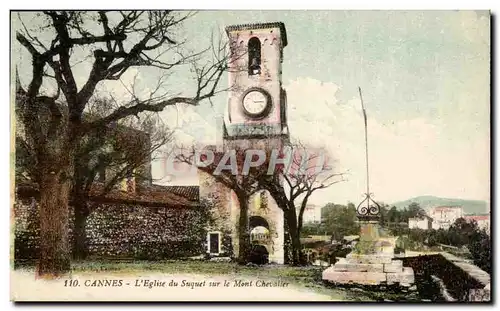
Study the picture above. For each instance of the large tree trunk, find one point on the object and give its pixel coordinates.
(54, 248)
(80, 247)
(243, 234)
(294, 236)
(287, 243)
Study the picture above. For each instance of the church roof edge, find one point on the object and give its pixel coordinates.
(279, 25)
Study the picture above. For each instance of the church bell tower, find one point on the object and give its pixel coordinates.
(257, 101)
(255, 118)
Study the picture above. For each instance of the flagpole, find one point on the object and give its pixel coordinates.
(366, 151)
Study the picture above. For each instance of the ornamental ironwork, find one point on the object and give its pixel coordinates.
(368, 209)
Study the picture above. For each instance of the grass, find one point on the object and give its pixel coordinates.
(193, 267)
(305, 277)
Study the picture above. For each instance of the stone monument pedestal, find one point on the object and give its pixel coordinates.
(371, 262)
(369, 270)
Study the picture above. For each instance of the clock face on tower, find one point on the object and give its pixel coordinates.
(256, 103)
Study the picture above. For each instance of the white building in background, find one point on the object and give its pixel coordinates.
(444, 216)
(483, 221)
(312, 214)
(424, 223)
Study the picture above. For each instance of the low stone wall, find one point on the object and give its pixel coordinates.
(123, 230)
(458, 276)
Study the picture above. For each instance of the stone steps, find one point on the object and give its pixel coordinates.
(369, 270)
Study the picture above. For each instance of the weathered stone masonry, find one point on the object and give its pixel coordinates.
(125, 229)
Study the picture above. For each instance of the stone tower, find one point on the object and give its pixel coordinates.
(257, 100)
(255, 118)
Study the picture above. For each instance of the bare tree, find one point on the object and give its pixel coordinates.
(292, 187)
(102, 161)
(243, 185)
(123, 152)
(112, 42)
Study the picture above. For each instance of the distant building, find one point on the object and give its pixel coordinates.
(312, 214)
(444, 216)
(424, 223)
(483, 221)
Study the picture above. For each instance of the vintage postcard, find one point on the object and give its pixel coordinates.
(250, 156)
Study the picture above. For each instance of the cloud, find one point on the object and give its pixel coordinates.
(407, 157)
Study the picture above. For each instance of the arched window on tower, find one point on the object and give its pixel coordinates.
(254, 56)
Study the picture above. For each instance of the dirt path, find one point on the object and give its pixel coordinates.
(157, 287)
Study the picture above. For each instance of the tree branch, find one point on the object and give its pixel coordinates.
(24, 42)
(60, 22)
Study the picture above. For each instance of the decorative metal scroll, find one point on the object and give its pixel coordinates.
(368, 209)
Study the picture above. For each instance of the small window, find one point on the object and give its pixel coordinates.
(263, 200)
(254, 57)
(213, 241)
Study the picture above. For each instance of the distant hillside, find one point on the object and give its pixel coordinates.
(426, 202)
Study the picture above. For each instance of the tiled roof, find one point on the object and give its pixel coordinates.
(148, 196)
(192, 193)
(477, 217)
(151, 196)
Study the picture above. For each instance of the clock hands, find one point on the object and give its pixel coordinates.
(255, 103)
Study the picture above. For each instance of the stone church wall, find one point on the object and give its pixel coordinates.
(119, 230)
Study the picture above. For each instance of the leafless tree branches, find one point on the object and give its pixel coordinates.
(59, 128)
(124, 40)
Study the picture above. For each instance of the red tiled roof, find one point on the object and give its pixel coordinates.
(143, 195)
(146, 195)
(477, 217)
(191, 193)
